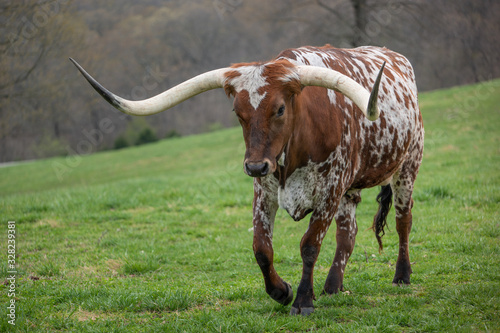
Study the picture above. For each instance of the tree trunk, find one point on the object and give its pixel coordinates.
(360, 21)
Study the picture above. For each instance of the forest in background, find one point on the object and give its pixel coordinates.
(140, 49)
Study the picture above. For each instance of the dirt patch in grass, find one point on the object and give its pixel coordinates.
(114, 265)
(48, 222)
(82, 315)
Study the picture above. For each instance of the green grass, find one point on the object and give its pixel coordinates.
(157, 238)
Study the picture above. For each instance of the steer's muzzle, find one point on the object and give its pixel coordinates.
(257, 169)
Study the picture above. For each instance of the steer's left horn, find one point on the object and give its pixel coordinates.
(167, 99)
(331, 79)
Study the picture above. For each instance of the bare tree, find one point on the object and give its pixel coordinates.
(139, 49)
(33, 34)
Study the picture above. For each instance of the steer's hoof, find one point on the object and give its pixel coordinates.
(401, 280)
(400, 284)
(281, 297)
(303, 311)
(331, 291)
(289, 298)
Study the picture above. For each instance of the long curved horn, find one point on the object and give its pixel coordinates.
(167, 99)
(331, 79)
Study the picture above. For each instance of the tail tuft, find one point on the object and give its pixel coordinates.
(384, 199)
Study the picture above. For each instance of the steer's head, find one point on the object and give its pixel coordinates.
(264, 95)
(264, 104)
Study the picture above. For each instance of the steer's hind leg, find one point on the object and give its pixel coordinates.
(346, 235)
(265, 206)
(402, 188)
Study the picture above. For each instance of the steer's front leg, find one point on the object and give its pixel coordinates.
(265, 205)
(309, 250)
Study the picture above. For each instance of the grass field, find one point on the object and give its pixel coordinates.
(157, 238)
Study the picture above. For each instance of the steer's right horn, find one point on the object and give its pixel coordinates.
(164, 101)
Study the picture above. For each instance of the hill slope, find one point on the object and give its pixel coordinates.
(159, 235)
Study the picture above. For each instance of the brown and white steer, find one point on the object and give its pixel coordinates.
(314, 139)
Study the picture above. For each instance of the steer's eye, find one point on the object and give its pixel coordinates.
(281, 111)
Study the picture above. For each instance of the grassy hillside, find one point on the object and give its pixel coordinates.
(157, 238)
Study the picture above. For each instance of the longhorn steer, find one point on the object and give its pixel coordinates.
(312, 150)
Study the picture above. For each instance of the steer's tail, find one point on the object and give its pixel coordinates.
(384, 199)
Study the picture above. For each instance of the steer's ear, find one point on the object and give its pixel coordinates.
(294, 87)
(229, 90)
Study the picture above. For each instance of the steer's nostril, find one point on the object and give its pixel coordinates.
(257, 169)
(265, 169)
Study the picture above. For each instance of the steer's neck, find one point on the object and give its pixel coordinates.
(317, 129)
